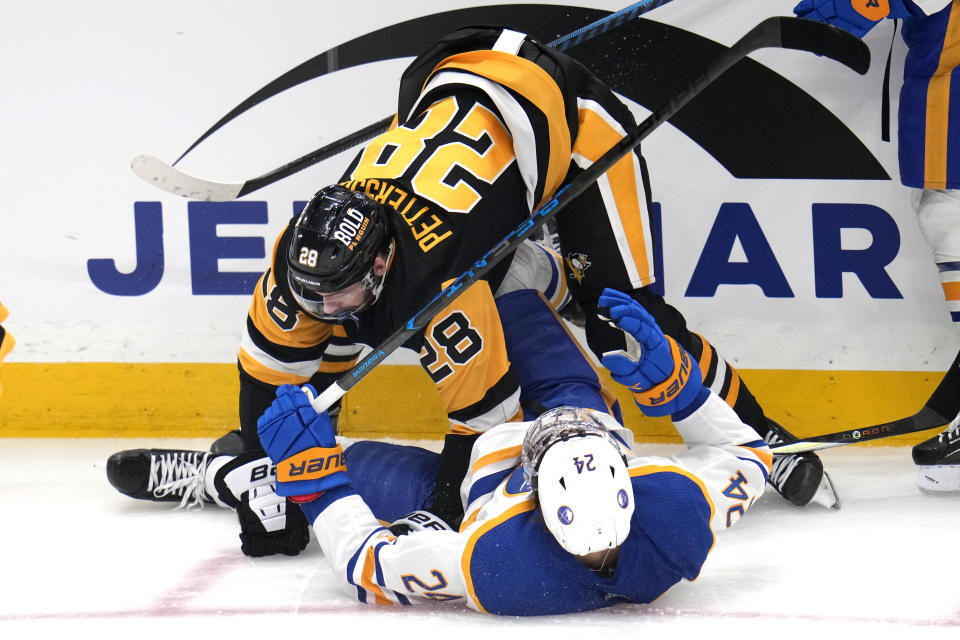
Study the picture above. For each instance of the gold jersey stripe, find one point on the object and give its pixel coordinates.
(561, 290)
(938, 107)
(462, 430)
(306, 333)
(650, 469)
(764, 455)
(596, 136)
(534, 84)
(336, 367)
(734, 391)
(706, 355)
(951, 290)
(265, 374)
(366, 577)
(497, 456)
(526, 505)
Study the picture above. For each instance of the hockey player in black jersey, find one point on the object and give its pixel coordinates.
(490, 124)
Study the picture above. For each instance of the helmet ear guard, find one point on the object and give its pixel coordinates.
(580, 475)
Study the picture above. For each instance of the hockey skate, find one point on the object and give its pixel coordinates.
(938, 461)
(162, 475)
(192, 478)
(799, 477)
(229, 444)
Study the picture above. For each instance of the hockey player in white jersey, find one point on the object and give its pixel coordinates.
(929, 155)
(561, 514)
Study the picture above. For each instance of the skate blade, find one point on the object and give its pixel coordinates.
(826, 494)
(938, 479)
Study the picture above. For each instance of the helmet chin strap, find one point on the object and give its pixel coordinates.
(371, 283)
(601, 560)
(374, 283)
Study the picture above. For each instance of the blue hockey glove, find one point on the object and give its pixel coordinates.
(855, 16)
(302, 444)
(663, 377)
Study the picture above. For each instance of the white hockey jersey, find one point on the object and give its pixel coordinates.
(504, 560)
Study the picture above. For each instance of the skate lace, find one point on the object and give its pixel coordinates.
(783, 465)
(951, 433)
(171, 473)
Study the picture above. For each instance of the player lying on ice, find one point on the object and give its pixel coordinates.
(560, 514)
(539, 118)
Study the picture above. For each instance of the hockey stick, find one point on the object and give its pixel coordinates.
(174, 181)
(940, 409)
(788, 33)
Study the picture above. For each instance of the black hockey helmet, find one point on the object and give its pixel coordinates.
(335, 242)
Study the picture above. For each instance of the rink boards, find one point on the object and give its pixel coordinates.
(199, 400)
(786, 237)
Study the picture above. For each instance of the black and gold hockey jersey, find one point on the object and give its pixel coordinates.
(489, 125)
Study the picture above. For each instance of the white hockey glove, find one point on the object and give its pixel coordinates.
(269, 524)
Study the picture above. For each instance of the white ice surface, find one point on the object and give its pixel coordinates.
(78, 559)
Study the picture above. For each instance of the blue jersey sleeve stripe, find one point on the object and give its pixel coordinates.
(948, 266)
(697, 402)
(487, 484)
(352, 564)
(621, 441)
(763, 468)
(378, 568)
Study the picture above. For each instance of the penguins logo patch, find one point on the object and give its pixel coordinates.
(577, 263)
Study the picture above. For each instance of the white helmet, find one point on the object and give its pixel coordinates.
(581, 479)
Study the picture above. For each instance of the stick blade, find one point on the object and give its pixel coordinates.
(165, 177)
(923, 420)
(803, 446)
(825, 40)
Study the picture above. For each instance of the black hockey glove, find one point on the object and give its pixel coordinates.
(270, 524)
(418, 521)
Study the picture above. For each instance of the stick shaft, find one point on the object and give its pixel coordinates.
(174, 181)
(844, 47)
(939, 410)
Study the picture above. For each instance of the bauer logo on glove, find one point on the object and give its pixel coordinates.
(667, 390)
(302, 444)
(664, 379)
(313, 463)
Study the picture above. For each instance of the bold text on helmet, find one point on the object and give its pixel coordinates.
(351, 228)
